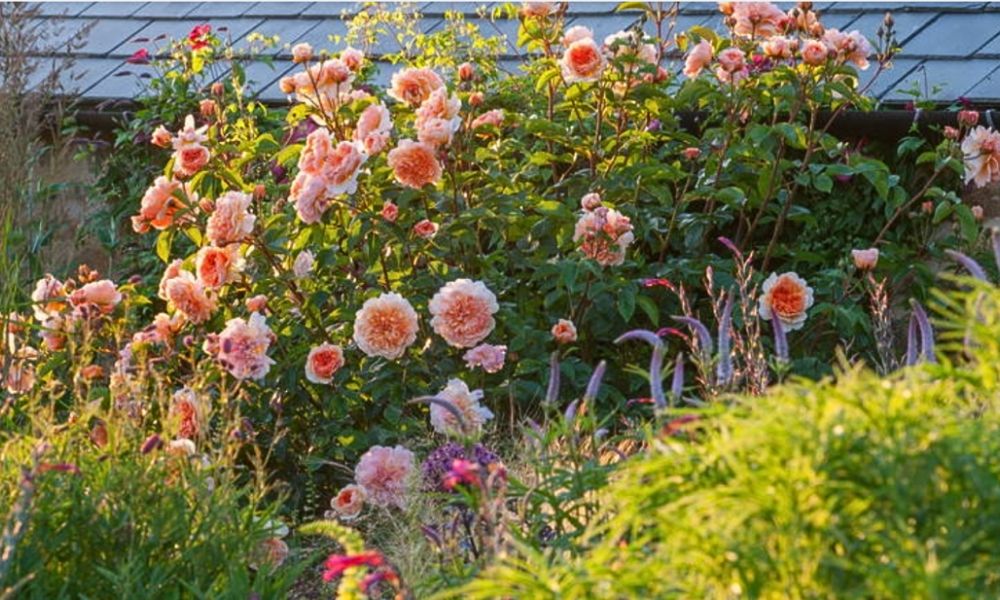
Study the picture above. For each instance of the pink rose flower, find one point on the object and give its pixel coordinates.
(582, 61)
(384, 474)
(102, 295)
(243, 345)
(814, 52)
(257, 303)
(158, 206)
(466, 402)
(425, 229)
(48, 298)
(732, 60)
(348, 502)
(373, 128)
(462, 312)
(758, 19)
(385, 326)
(435, 132)
(231, 221)
(780, 47)
(493, 117)
(218, 266)
(189, 153)
(604, 234)
(850, 47)
(303, 265)
(577, 33)
(590, 201)
(323, 362)
(439, 105)
(487, 356)
(564, 332)
(188, 413)
(389, 212)
(981, 149)
(302, 52)
(353, 58)
(865, 260)
(161, 137)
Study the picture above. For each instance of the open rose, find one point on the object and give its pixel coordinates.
(786, 297)
(323, 362)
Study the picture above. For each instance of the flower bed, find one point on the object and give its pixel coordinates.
(451, 267)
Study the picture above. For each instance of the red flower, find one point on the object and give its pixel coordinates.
(336, 564)
(140, 57)
(198, 38)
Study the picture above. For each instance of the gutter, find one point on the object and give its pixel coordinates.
(882, 125)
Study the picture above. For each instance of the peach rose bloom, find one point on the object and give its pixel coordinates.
(158, 206)
(323, 362)
(374, 121)
(538, 9)
(189, 413)
(412, 86)
(243, 345)
(435, 132)
(353, 58)
(462, 312)
(257, 303)
(189, 153)
(218, 266)
(865, 260)
(302, 52)
(780, 47)
(287, 85)
(414, 164)
(814, 52)
(161, 137)
(440, 106)
(385, 326)
(231, 221)
(604, 234)
(173, 270)
(466, 71)
(48, 298)
(102, 294)
(189, 296)
(342, 168)
(53, 333)
(981, 149)
(308, 194)
(466, 402)
(582, 61)
(493, 117)
(851, 47)
(348, 502)
(699, 57)
(564, 331)
(487, 356)
(303, 265)
(786, 296)
(384, 473)
(577, 33)
(732, 60)
(758, 19)
(390, 212)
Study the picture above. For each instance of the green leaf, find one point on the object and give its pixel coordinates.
(649, 307)
(626, 303)
(163, 243)
(823, 183)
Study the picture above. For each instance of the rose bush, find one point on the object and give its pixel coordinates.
(478, 241)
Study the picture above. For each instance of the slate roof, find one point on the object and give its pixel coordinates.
(953, 46)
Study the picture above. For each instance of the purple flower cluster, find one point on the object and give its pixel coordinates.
(438, 463)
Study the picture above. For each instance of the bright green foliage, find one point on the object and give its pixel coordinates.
(858, 487)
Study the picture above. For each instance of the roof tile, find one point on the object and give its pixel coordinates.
(944, 79)
(112, 9)
(953, 35)
(277, 9)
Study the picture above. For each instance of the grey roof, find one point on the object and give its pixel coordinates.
(950, 50)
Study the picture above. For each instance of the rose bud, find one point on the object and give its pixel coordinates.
(977, 212)
(950, 132)
(207, 107)
(218, 88)
(927, 206)
(968, 118)
(476, 99)
(301, 53)
(161, 137)
(865, 260)
(692, 152)
(259, 191)
(466, 72)
(287, 85)
(257, 303)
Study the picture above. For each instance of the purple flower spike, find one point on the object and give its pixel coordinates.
(724, 372)
(677, 385)
(552, 393)
(570, 413)
(655, 363)
(704, 337)
(926, 332)
(780, 340)
(912, 352)
(728, 243)
(974, 268)
(595, 382)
